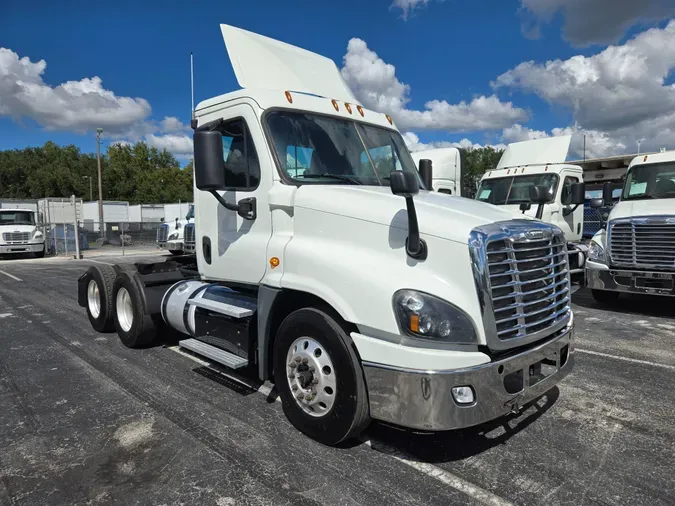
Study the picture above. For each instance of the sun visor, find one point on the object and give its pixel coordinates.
(260, 62)
(536, 152)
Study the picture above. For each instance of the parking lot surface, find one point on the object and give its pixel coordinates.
(84, 420)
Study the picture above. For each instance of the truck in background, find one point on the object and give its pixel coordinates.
(178, 237)
(20, 233)
(634, 252)
(357, 293)
(447, 169)
(532, 178)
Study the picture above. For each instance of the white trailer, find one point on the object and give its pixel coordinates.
(146, 213)
(634, 252)
(447, 169)
(357, 292)
(114, 211)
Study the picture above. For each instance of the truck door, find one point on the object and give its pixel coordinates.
(572, 224)
(229, 247)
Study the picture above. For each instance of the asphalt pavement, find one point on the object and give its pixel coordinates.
(84, 420)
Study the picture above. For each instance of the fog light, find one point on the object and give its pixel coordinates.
(463, 395)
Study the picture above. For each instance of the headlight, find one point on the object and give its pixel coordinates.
(424, 316)
(37, 234)
(596, 253)
(173, 236)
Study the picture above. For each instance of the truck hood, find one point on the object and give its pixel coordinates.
(17, 228)
(655, 207)
(438, 215)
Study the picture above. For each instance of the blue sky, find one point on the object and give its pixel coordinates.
(450, 50)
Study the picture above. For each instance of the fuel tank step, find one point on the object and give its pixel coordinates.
(235, 311)
(216, 354)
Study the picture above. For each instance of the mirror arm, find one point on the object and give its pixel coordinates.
(567, 211)
(415, 246)
(246, 208)
(540, 211)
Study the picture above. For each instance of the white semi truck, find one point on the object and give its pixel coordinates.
(178, 237)
(356, 293)
(635, 251)
(532, 178)
(447, 166)
(19, 233)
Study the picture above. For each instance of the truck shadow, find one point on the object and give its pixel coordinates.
(635, 304)
(450, 446)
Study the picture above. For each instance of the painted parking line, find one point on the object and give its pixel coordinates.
(11, 276)
(626, 359)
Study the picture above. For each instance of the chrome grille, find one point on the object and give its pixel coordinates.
(522, 273)
(162, 233)
(16, 236)
(647, 243)
(189, 233)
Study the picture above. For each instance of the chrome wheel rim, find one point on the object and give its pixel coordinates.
(311, 376)
(124, 309)
(93, 299)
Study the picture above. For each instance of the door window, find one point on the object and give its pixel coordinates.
(242, 168)
(566, 195)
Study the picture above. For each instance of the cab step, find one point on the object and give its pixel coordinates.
(216, 354)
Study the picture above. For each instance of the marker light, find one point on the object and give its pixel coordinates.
(348, 107)
(274, 262)
(289, 97)
(360, 109)
(463, 395)
(335, 104)
(389, 119)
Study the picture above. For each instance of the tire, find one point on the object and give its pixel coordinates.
(175, 252)
(134, 328)
(40, 254)
(348, 415)
(604, 296)
(99, 281)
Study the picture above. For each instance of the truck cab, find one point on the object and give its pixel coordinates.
(325, 266)
(19, 233)
(540, 164)
(634, 252)
(178, 236)
(447, 166)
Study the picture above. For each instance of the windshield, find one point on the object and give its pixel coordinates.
(17, 218)
(650, 181)
(514, 189)
(328, 150)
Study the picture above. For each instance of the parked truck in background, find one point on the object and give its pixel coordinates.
(178, 236)
(356, 292)
(19, 233)
(539, 166)
(635, 251)
(447, 166)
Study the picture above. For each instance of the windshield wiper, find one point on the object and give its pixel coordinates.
(331, 176)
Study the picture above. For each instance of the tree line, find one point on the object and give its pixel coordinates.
(137, 173)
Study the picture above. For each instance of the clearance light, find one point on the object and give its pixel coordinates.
(348, 107)
(508, 171)
(389, 119)
(335, 105)
(289, 97)
(645, 159)
(360, 109)
(274, 262)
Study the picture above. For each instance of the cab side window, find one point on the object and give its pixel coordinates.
(566, 195)
(242, 168)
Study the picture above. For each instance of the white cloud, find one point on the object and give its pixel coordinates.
(413, 142)
(78, 106)
(375, 84)
(407, 6)
(617, 95)
(593, 21)
(177, 144)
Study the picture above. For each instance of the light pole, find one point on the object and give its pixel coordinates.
(638, 144)
(91, 188)
(100, 184)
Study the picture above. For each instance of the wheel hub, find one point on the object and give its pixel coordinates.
(311, 376)
(94, 298)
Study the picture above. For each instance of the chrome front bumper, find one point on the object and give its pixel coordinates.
(21, 248)
(171, 245)
(616, 280)
(423, 400)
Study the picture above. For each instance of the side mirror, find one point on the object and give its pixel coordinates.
(403, 183)
(539, 194)
(209, 167)
(426, 173)
(596, 203)
(525, 206)
(607, 194)
(578, 194)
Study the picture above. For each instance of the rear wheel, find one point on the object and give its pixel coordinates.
(319, 377)
(604, 296)
(134, 328)
(99, 281)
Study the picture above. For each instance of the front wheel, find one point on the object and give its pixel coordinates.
(319, 377)
(604, 296)
(39, 254)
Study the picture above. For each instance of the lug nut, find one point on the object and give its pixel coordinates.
(305, 360)
(298, 359)
(294, 387)
(311, 368)
(300, 396)
(292, 365)
(315, 381)
(291, 376)
(309, 398)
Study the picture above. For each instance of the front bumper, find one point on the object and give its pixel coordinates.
(21, 248)
(171, 245)
(423, 400)
(600, 277)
